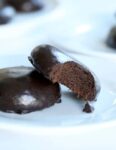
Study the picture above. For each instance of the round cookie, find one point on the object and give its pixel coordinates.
(24, 90)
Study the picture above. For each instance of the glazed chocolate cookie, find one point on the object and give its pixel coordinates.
(46, 59)
(24, 90)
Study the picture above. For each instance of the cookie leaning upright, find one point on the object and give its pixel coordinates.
(47, 60)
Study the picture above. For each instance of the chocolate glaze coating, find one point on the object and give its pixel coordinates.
(111, 39)
(23, 90)
(47, 60)
(88, 108)
(44, 59)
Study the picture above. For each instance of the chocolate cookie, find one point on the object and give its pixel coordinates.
(46, 59)
(24, 90)
(25, 5)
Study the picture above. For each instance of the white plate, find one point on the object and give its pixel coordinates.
(87, 31)
(29, 30)
(24, 22)
(69, 112)
(64, 126)
(23, 44)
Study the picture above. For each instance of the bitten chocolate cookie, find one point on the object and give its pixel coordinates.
(46, 59)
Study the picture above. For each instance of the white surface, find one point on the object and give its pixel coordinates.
(29, 30)
(86, 31)
(63, 23)
(92, 138)
(23, 23)
(64, 126)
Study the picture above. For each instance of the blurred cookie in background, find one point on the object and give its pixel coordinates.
(6, 12)
(111, 39)
(25, 5)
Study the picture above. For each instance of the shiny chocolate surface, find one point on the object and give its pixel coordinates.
(23, 90)
(43, 58)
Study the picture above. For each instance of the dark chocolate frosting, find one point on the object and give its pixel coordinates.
(23, 90)
(44, 58)
(88, 108)
(47, 60)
